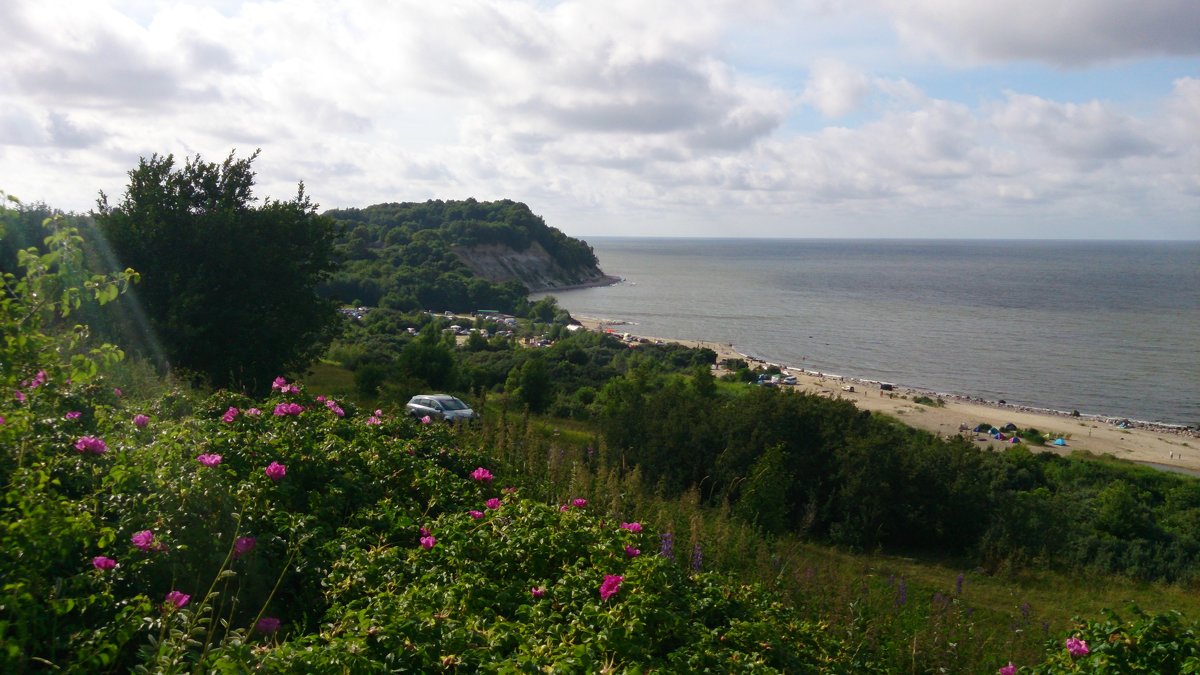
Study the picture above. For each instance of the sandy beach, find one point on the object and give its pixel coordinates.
(1162, 447)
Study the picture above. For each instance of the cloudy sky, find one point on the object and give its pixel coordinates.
(804, 118)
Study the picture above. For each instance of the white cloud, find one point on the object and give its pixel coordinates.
(1062, 32)
(835, 88)
(1090, 132)
(605, 109)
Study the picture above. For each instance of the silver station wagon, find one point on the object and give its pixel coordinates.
(440, 407)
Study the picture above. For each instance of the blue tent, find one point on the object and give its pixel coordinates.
(1059, 441)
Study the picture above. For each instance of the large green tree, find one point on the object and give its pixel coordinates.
(229, 286)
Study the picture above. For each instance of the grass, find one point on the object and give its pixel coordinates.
(332, 380)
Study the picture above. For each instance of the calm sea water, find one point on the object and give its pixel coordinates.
(1102, 327)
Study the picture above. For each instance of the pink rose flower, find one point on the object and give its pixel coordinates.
(229, 415)
(242, 546)
(178, 599)
(144, 540)
(1010, 669)
(73, 415)
(428, 542)
(103, 563)
(275, 471)
(476, 514)
(426, 419)
(610, 586)
(288, 409)
(140, 421)
(1077, 647)
(254, 412)
(492, 503)
(482, 475)
(209, 459)
(579, 503)
(91, 444)
(632, 527)
(632, 552)
(537, 592)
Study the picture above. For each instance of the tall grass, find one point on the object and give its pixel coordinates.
(905, 614)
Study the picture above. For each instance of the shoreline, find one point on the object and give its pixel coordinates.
(1161, 446)
(598, 282)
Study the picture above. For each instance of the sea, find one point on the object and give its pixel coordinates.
(1106, 328)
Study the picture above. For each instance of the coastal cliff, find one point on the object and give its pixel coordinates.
(534, 267)
(454, 255)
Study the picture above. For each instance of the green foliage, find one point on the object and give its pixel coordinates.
(403, 256)
(1162, 643)
(805, 464)
(229, 566)
(229, 287)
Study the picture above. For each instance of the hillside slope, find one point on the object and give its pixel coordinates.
(459, 255)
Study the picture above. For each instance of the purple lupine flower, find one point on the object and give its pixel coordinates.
(667, 545)
(267, 624)
(697, 557)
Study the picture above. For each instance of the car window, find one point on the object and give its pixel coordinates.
(453, 404)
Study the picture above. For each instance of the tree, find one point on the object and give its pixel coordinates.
(229, 288)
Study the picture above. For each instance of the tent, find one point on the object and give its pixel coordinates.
(1016, 440)
(1009, 427)
(1059, 441)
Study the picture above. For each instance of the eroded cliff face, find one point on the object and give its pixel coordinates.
(534, 267)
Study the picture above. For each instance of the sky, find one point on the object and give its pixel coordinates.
(749, 118)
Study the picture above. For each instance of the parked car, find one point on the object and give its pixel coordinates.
(440, 407)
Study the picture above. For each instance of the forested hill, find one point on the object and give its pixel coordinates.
(457, 255)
